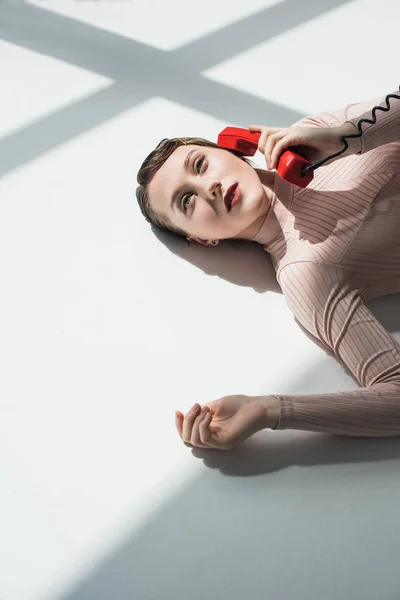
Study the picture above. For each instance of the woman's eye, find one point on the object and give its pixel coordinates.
(201, 160)
(188, 196)
(185, 198)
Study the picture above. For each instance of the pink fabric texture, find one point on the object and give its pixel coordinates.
(334, 245)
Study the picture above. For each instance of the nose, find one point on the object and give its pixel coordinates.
(215, 190)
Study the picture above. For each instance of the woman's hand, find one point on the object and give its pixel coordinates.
(313, 143)
(223, 423)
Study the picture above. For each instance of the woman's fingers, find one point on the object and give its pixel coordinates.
(188, 422)
(194, 427)
(179, 424)
(195, 433)
(201, 433)
(269, 136)
(205, 432)
(188, 426)
(278, 149)
(269, 146)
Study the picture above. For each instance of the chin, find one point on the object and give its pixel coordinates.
(253, 206)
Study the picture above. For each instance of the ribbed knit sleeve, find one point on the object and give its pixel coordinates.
(384, 131)
(322, 300)
(387, 126)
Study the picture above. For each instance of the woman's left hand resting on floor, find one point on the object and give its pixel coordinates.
(226, 422)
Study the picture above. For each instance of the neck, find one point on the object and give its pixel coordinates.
(267, 179)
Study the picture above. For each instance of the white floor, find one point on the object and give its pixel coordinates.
(106, 329)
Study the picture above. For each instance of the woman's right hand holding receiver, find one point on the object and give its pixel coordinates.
(313, 143)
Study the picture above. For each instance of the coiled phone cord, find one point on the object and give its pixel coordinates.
(319, 163)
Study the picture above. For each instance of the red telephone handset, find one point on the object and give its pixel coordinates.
(290, 164)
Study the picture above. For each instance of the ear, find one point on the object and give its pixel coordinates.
(200, 241)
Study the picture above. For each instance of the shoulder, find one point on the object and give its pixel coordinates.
(313, 282)
(321, 298)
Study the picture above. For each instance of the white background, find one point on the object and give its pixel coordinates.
(106, 328)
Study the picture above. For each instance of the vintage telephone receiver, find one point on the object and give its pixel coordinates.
(291, 166)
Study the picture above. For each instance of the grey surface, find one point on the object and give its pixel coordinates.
(235, 534)
(290, 515)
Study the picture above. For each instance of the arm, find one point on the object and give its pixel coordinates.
(385, 131)
(387, 127)
(323, 301)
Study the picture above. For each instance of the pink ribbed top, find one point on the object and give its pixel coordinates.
(334, 245)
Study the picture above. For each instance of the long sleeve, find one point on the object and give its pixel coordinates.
(322, 300)
(387, 127)
(385, 131)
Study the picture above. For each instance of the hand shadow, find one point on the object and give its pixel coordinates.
(266, 452)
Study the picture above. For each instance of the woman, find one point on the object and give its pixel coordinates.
(334, 245)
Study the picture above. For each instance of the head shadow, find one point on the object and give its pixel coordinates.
(246, 264)
(239, 262)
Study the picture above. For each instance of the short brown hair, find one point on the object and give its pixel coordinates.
(149, 168)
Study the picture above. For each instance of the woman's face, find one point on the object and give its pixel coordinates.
(192, 196)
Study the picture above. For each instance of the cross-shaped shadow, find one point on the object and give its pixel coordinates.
(140, 71)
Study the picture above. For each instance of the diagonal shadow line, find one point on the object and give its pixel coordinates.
(115, 56)
(51, 131)
(263, 25)
(206, 96)
(228, 104)
(76, 43)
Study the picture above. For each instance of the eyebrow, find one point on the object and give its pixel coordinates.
(186, 164)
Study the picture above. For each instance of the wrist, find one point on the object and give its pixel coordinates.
(272, 408)
(348, 128)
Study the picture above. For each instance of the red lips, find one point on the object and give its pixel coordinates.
(229, 195)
